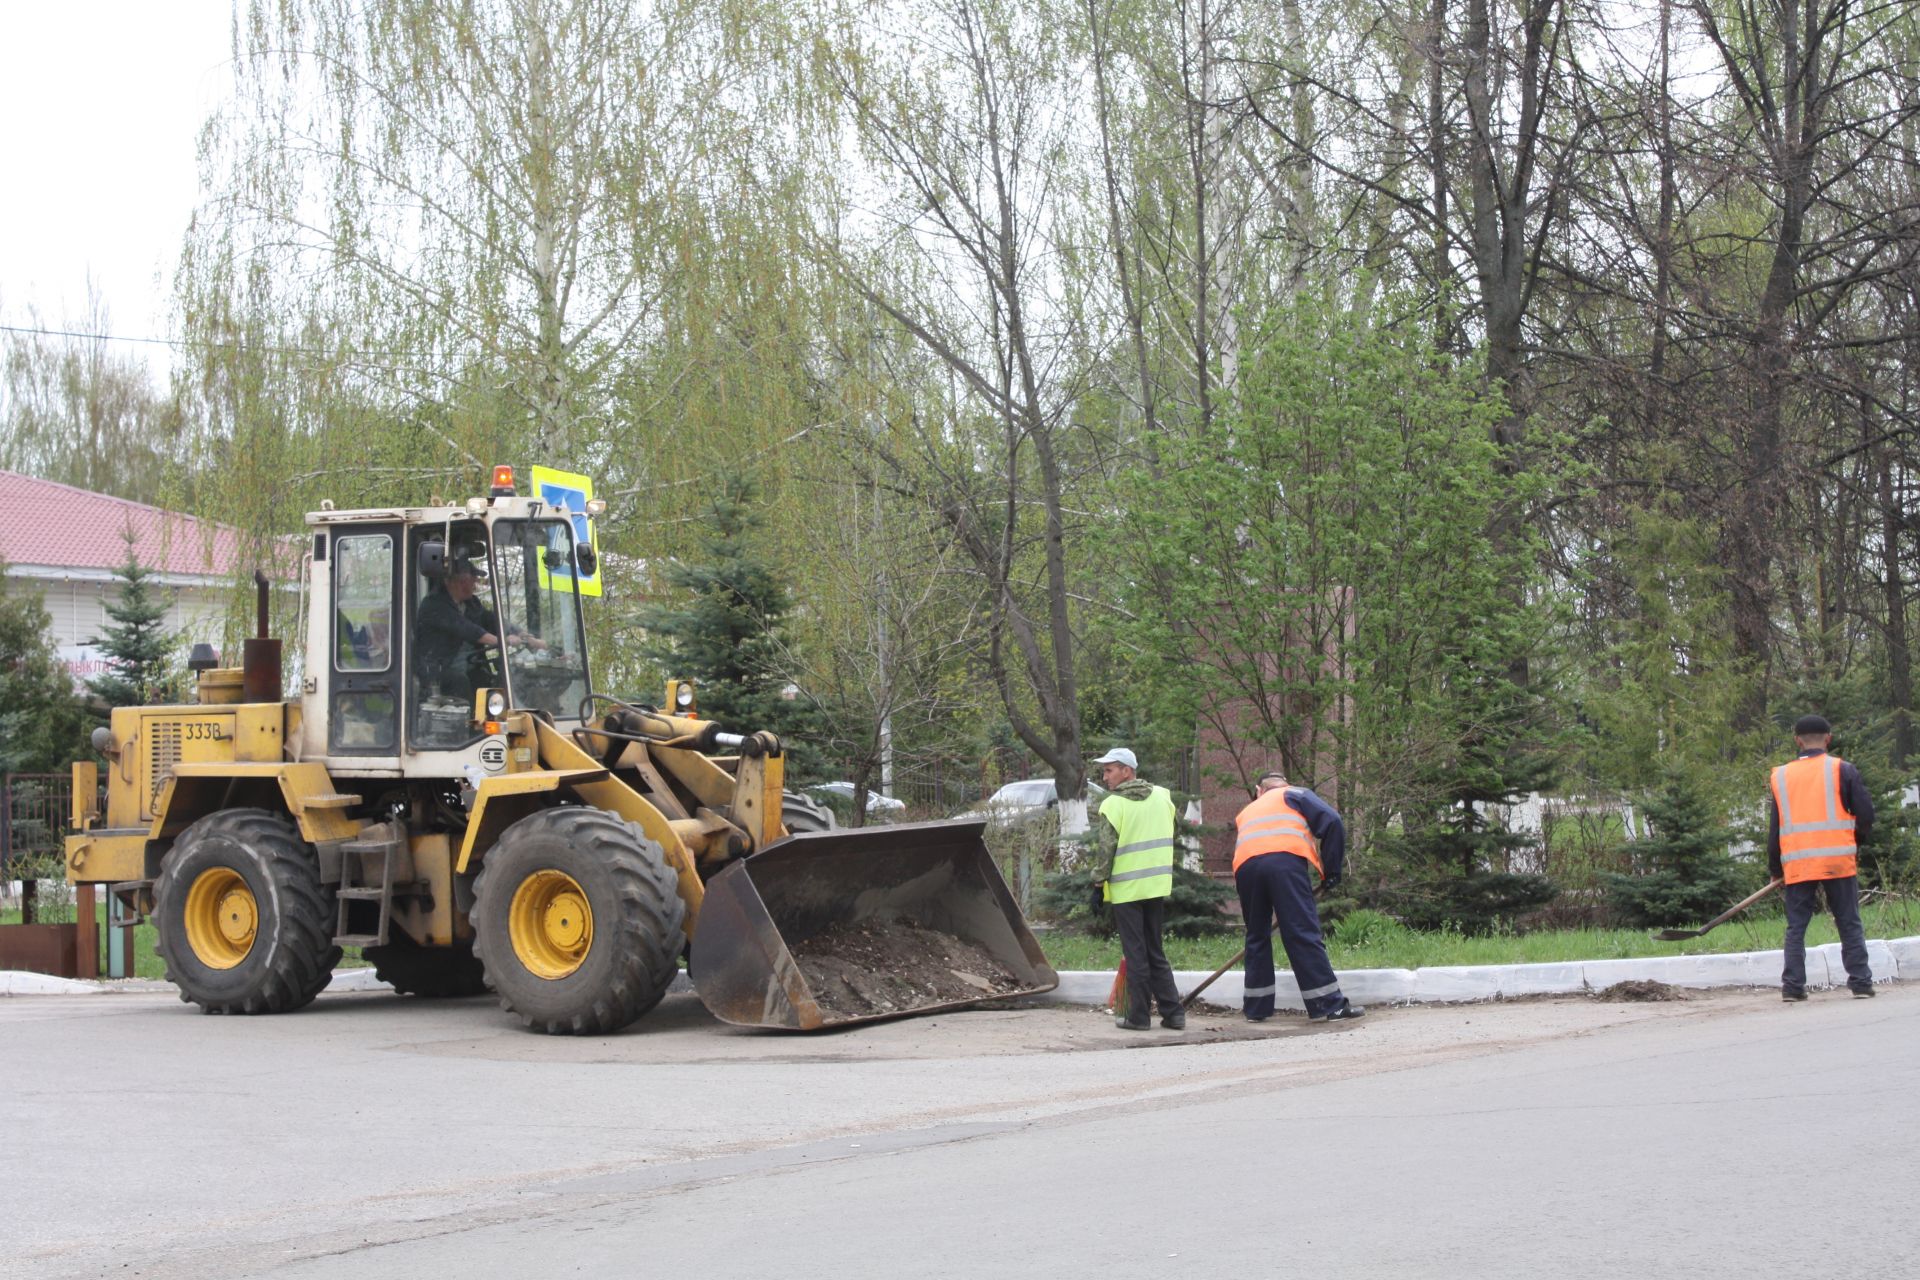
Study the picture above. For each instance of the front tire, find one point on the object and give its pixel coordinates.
(577, 921)
(245, 925)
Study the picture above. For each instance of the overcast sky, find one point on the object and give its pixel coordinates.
(102, 102)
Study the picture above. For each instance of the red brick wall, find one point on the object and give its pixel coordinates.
(1229, 755)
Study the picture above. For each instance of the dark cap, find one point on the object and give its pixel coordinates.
(464, 567)
(1811, 726)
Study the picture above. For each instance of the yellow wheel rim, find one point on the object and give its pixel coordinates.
(221, 917)
(550, 924)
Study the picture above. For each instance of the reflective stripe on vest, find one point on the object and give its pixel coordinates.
(1143, 862)
(1816, 832)
(1271, 825)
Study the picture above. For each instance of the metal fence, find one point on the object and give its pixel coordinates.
(34, 810)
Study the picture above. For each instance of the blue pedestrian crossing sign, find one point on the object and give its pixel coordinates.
(569, 491)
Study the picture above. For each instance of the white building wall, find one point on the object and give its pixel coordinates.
(77, 611)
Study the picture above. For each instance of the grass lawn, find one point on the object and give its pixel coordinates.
(1401, 948)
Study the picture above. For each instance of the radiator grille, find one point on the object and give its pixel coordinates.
(162, 756)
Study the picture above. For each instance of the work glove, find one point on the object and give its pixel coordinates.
(1096, 897)
(1327, 886)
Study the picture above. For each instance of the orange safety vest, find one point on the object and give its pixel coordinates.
(1816, 833)
(1271, 825)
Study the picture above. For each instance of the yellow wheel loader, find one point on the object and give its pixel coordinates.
(446, 790)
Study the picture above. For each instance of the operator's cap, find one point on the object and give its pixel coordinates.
(1119, 755)
(464, 567)
(1808, 726)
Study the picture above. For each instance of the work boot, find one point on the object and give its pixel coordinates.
(1128, 1024)
(1792, 996)
(1862, 993)
(1347, 1012)
(1177, 1020)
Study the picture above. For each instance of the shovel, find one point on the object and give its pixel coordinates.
(1186, 1002)
(1319, 891)
(1676, 935)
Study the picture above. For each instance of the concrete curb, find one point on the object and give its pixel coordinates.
(1893, 960)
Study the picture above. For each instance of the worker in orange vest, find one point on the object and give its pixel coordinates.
(1818, 815)
(1279, 836)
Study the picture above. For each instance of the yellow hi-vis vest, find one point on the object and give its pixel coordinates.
(1143, 862)
(1816, 833)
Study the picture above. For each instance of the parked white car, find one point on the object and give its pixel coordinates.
(1028, 798)
(885, 808)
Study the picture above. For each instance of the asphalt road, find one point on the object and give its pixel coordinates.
(374, 1136)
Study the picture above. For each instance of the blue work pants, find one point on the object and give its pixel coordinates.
(1280, 885)
(1843, 900)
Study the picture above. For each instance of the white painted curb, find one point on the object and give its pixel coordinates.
(1892, 961)
(18, 982)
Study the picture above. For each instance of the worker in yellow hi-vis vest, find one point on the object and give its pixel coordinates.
(1133, 864)
(1818, 815)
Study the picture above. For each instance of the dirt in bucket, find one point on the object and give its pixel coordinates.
(890, 966)
(1640, 990)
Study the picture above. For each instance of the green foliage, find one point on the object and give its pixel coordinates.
(1890, 856)
(139, 650)
(43, 727)
(1366, 927)
(1682, 873)
(1664, 689)
(1327, 578)
(727, 633)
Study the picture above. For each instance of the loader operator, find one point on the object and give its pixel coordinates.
(1283, 832)
(458, 634)
(1133, 868)
(1818, 815)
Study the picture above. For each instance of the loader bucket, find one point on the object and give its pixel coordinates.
(831, 928)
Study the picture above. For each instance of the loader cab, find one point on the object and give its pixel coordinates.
(491, 607)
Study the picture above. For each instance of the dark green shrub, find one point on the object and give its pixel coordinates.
(1473, 904)
(1682, 872)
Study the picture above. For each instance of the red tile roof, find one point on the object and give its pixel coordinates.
(59, 526)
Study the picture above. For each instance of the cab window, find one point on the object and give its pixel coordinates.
(363, 603)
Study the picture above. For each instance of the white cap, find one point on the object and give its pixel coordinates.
(1119, 755)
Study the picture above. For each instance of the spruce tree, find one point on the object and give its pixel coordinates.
(137, 646)
(1450, 854)
(728, 634)
(42, 724)
(1683, 873)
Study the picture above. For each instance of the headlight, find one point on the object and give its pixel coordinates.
(496, 703)
(684, 698)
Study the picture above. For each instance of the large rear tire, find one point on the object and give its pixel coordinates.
(432, 973)
(577, 921)
(803, 813)
(245, 925)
